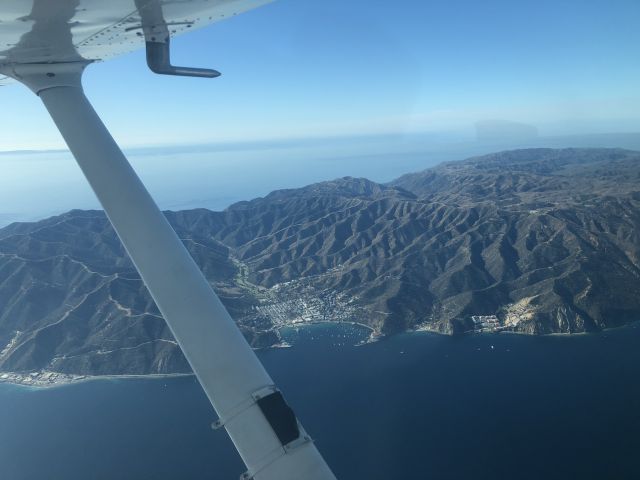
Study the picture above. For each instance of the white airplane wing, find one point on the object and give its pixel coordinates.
(35, 31)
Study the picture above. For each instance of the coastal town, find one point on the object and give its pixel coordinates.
(40, 379)
(306, 306)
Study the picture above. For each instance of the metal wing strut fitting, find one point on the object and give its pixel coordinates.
(264, 429)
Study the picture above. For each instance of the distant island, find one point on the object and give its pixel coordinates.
(535, 241)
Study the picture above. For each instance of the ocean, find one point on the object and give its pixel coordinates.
(36, 185)
(416, 405)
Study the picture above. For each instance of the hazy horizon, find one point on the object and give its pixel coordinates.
(40, 184)
(408, 67)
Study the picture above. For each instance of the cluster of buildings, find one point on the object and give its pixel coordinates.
(39, 379)
(305, 305)
(486, 323)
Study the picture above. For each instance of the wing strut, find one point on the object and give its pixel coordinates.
(270, 440)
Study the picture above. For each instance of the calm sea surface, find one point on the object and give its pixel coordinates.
(413, 406)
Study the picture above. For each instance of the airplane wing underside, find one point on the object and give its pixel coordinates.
(54, 31)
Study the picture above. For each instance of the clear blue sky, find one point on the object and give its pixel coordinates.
(299, 68)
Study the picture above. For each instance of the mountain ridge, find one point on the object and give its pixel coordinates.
(547, 240)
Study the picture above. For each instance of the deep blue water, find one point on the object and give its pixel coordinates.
(413, 406)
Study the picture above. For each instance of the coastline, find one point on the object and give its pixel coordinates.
(35, 380)
(48, 379)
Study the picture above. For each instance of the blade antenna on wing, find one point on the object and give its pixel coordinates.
(158, 43)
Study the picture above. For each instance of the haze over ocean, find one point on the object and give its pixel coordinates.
(36, 185)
